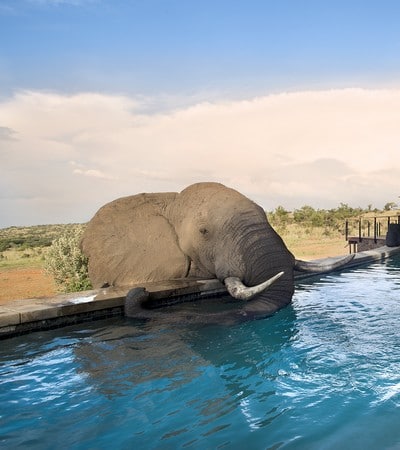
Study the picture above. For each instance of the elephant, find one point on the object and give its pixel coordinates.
(206, 231)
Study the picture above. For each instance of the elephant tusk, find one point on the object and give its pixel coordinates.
(239, 291)
(318, 267)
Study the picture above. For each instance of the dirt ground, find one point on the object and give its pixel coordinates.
(25, 283)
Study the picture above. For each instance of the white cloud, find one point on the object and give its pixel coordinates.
(74, 153)
(90, 173)
(7, 134)
(93, 173)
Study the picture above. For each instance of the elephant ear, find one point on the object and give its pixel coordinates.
(130, 241)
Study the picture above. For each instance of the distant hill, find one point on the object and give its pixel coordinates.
(31, 237)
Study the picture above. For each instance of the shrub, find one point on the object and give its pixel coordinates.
(279, 218)
(66, 263)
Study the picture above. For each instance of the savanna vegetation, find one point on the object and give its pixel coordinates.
(27, 246)
(315, 233)
(54, 249)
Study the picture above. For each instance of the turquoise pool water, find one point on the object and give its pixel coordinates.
(322, 374)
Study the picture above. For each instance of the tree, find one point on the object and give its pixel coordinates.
(389, 206)
(308, 216)
(279, 217)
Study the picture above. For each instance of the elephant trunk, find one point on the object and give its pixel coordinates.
(320, 267)
(256, 258)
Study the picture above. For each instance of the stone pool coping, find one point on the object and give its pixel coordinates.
(27, 315)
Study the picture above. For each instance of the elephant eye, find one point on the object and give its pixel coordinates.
(203, 231)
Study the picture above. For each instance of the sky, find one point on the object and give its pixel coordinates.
(291, 102)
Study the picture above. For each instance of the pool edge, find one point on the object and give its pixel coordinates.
(28, 315)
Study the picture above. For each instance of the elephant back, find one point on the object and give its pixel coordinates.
(130, 241)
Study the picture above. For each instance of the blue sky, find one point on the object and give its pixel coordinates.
(224, 47)
(180, 67)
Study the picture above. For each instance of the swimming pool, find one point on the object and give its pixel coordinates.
(323, 373)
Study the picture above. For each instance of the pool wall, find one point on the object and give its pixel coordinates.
(27, 315)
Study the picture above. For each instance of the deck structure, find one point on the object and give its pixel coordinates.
(367, 233)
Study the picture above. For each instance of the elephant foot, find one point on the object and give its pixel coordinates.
(133, 301)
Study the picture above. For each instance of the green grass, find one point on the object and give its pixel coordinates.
(19, 259)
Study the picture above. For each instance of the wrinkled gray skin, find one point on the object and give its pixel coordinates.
(207, 231)
(227, 235)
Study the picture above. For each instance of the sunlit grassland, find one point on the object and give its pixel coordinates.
(21, 259)
(313, 243)
(26, 247)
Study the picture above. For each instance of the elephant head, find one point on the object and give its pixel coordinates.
(206, 231)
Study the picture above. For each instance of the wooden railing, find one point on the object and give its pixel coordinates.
(371, 227)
